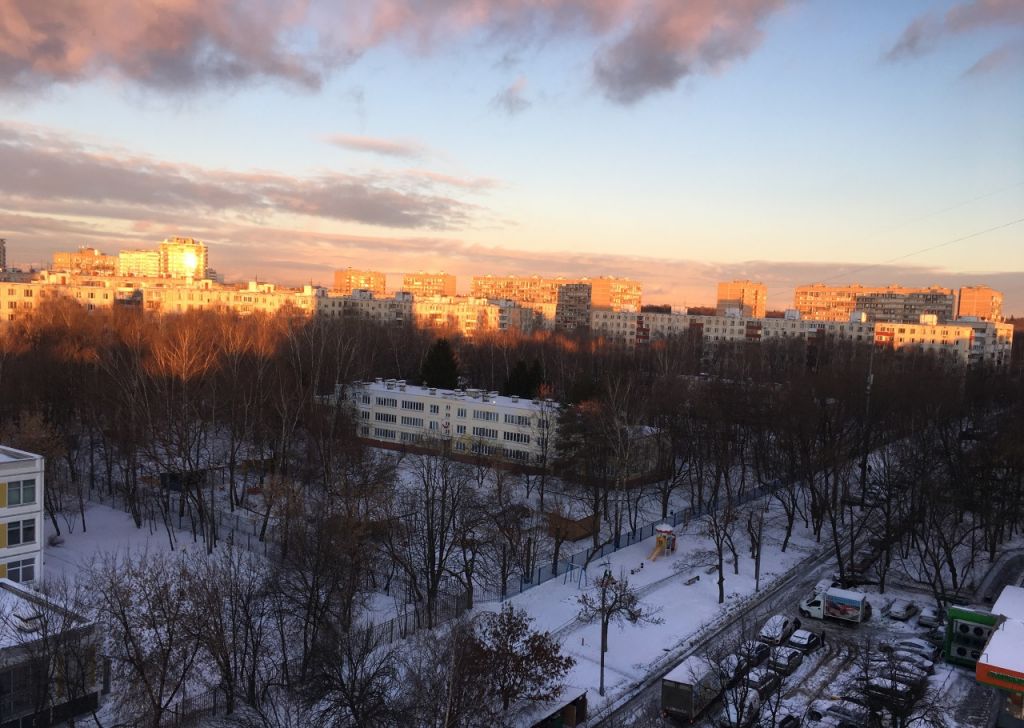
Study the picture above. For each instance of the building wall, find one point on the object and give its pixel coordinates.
(139, 263)
(980, 302)
(349, 280)
(85, 260)
(21, 515)
(747, 297)
(3, 255)
(183, 258)
(474, 421)
(896, 307)
(819, 302)
(426, 285)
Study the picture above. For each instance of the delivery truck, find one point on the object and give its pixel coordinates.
(844, 605)
(689, 688)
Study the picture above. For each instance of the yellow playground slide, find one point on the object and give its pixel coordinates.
(657, 551)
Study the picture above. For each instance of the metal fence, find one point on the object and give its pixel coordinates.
(574, 567)
(190, 711)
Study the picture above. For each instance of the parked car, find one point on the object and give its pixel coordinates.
(732, 668)
(789, 720)
(884, 692)
(902, 609)
(785, 660)
(891, 665)
(912, 658)
(754, 652)
(837, 712)
(930, 617)
(915, 645)
(804, 640)
(778, 628)
(764, 681)
(742, 712)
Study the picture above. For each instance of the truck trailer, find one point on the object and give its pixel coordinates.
(689, 688)
(844, 605)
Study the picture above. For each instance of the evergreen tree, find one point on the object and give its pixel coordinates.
(440, 368)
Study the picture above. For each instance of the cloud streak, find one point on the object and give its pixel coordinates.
(928, 31)
(644, 46)
(46, 172)
(374, 145)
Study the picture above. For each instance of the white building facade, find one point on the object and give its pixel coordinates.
(21, 516)
(474, 421)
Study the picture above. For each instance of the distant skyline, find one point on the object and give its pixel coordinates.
(679, 143)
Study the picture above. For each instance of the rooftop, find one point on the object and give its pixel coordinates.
(475, 396)
(1010, 603)
(10, 455)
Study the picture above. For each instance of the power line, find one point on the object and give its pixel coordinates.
(930, 248)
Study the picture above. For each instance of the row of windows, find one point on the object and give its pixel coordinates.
(485, 432)
(411, 405)
(412, 421)
(385, 417)
(523, 420)
(518, 437)
(386, 402)
(21, 492)
(485, 415)
(384, 434)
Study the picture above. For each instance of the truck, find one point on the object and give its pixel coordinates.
(844, 605)
(689, 688)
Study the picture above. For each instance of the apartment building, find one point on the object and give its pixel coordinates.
(85, 260)
(894, 307)
(138, 263)
(183, 258)
(475, 422)
(363, 304)
(427, 285)
(348, 281)
(970, 342)
(819, 302)
(747, 298)
(980, 302)
(607, 292)
(572, 310)
(21, 516)
(251, 298)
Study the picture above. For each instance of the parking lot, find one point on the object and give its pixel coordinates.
(854, 677)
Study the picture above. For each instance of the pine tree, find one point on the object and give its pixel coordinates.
(440, 368)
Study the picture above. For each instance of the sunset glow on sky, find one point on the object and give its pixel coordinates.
(676, 142)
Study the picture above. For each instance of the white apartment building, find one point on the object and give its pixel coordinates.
(968, 341)
(21, 515)
(394, 413)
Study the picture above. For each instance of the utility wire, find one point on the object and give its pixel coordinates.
(961, 239)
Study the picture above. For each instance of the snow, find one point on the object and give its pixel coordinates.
(1004, 647)
(688, 670)
(686, 610)
(109, 531)
(1010, 603)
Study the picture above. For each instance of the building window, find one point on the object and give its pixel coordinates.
(460, 429)
(21, 493)
(485, 415)
(412, 421)
(383, 434)
(386, 402)
(461, 412)
(485, 432)
(364, 414)
(433, 425)
(385, 417)
(517, 437)
(22, 570)
(434, 409)
(410, 405)
(21, 532)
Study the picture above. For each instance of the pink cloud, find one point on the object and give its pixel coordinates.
(190, 44)
(376, 145)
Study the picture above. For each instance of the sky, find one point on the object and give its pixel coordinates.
(678, 142)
